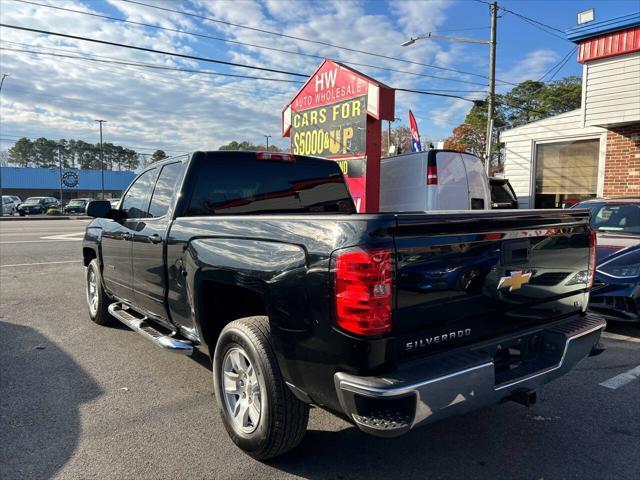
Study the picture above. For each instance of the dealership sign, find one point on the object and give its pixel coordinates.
(70, 179)
(337, 114)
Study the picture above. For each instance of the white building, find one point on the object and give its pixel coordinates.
(595, 150)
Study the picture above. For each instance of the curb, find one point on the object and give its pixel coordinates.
(52, 217)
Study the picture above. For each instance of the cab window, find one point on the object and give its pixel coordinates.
(136, 200)
(164, 190)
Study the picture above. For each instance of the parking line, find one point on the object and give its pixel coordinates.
(624, 338)
(42, 241)
(622, 379)
(39, 263)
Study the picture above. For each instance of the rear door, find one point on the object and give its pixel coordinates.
(479, 192)
(464, 277)
(116, 242)
(149, 276)
(452, 190)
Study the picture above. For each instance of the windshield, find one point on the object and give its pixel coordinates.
(74, 203)
(614, 217)
(33, 200)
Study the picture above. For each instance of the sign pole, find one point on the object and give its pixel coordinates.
(60, 166)
(374, 136)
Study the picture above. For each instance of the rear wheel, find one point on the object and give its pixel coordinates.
(97, 299)
(258, 410)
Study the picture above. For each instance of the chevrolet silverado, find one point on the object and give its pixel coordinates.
(389, 320)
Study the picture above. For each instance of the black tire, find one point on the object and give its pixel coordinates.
(22, 214)
(283, 418)
(99, 312)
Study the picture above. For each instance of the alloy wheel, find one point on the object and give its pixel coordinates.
(241, 390)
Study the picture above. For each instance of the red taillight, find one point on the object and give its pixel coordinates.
(432, 175)
(363, 290)
(278, 157)
(593, 244)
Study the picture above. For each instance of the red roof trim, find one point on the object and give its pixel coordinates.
(610, 45)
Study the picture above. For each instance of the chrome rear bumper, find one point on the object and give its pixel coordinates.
(426, 391)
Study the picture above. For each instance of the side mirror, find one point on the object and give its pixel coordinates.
(98, 208)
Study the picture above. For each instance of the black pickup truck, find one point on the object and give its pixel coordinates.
(390, 320)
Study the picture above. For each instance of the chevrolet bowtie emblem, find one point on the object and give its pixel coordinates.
(515, 280)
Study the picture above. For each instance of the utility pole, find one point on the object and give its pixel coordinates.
(389, 134)
(267, 137)
(492, 82)
(60, 179)
(101, 157)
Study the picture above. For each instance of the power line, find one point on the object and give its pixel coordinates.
(116, 44)
(235, 42)
(558, 65)
(532, 21)
(137, 65)
(562, 65)
(153, 66)
(499, 102)
(302, 39)
(152, 50)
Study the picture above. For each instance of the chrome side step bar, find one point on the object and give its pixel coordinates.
(144, 328)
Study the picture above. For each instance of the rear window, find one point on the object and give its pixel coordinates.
(614, 217)
(501, 193)
(242, 186)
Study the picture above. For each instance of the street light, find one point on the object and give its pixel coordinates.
(492, 67)
(101, 157)
(267, 137)
(4, 75)
(434, 36)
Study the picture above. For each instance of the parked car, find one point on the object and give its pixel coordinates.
(502, 194)
(17, 200)
(9, 206)
(433, 180)
(36, 205)
(616, 291)
(302, 301)
(77, 205)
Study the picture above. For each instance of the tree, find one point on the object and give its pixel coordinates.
(22, 152)
(400, 137)
(248, 146)
(46, 153)
(527, 102)
(158, 155)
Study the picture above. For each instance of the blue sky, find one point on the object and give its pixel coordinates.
(146, 109)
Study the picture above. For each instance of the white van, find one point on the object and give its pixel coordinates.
(433, 180)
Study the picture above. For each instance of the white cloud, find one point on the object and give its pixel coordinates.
(533, 66)
(452, 114)
(59, 97)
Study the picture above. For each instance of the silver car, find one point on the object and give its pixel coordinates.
(9, 205)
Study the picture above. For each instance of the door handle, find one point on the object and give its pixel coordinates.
(127, 236)
(155, 238)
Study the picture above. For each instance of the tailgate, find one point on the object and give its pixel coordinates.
(465, 277)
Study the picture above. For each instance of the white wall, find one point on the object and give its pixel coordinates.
(520, 145)
(612, 90)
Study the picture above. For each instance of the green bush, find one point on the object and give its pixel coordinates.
(54, 211)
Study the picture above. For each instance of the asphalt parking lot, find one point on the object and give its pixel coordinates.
(82, 401)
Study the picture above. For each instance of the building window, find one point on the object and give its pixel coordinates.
(566, 172)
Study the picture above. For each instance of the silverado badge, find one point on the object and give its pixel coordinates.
(515, 280)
